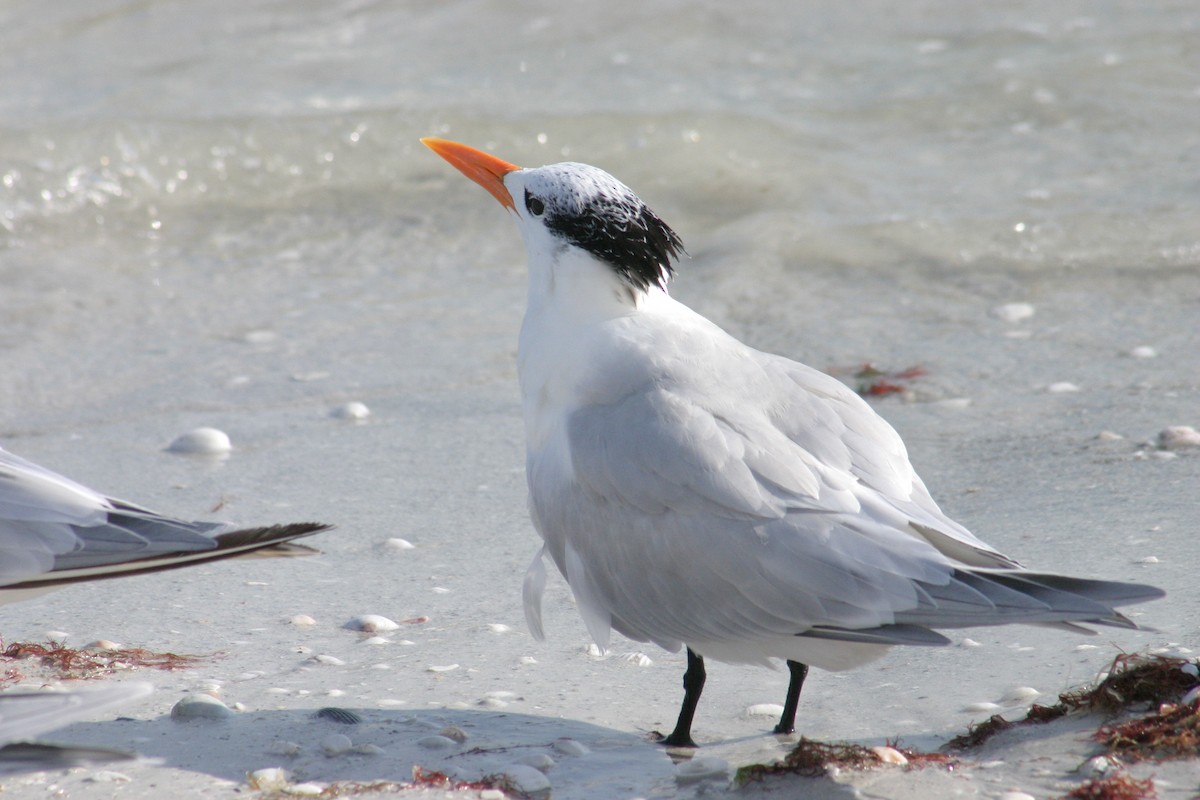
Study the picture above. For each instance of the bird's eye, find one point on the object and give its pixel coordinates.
(535, 206)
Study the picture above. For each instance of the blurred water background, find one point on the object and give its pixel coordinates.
(217, 212)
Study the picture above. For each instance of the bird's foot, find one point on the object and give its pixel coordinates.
(674, 740)
(783, 730)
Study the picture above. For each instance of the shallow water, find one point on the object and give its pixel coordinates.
(218, 213)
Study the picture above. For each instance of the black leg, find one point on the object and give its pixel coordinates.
(787, 722)
(693, 685)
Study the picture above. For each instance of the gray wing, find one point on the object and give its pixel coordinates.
(689, 519)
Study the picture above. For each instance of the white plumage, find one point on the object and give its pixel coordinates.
(697, 492)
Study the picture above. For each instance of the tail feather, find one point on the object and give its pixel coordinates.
(272, 540)
(982, 596)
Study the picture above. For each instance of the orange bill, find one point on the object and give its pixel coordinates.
(486, 170)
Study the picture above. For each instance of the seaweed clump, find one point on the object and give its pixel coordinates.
(1116, 787)
(811, 758)
(1132, 679)
(70, 663)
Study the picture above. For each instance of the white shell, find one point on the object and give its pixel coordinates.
(202, 441)
(526, 780)
(1020, 695)
(372, 623)
(1178, 437)
(335, 744)
(1013, 312)
(200, 706)
(353, 411)
(889, 755)
(271, 779)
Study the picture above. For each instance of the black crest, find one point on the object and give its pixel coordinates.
(591, 209)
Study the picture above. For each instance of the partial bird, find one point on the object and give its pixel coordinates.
(696, 492)
(24, 715)
(54, 532)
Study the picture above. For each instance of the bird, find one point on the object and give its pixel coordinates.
(55, 532)
(26, 714)
(698, 493)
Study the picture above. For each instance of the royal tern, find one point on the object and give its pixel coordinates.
(54, 531)
(695, 492)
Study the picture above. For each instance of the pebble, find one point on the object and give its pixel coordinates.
(103, 645)
(398, 544)
(639, 659)
(499, 627)
(703, 768)
(1109, 436)
(335, 744)
(1193, 693)
(57, 636)
(764, 710)
(571, 747)
(1146, 560)
(539, 761)
(200, 706)
(526, 780)
(1190, 669)
(525, 661)
(1143, 351)
(1080, 648)
(271, 779)
(202, 441)
(371, 623)
(970, 643)
(446, 668)
(1062, 387)
(436, 743)
(1013, 312)
(493, 703)
(376, 640)
(889, 755)
(302, 620)
(367, 749)
(353, 411)
(1178, 437)
(306, 789)
(1020, 695)
(1016, 796)
(491, 794)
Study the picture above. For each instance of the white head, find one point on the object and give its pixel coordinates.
(568, 207)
